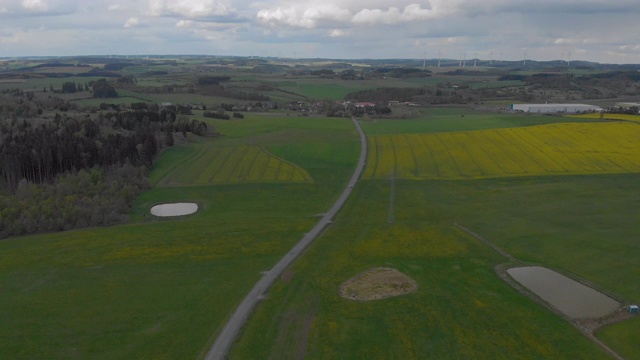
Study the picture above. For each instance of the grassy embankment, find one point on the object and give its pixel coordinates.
(162, 289)
(584, 225)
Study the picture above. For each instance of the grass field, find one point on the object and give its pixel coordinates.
(161, 288)
(217, 165)
(556, 149)
(625, 117)
(442, 119)
(461, 309)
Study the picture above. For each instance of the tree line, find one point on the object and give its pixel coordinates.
(38, 153)
(94, 197)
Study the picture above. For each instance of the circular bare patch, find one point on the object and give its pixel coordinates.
(377, 283)
(176, 209)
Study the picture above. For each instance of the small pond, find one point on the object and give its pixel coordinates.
(175, 209)
(572, 298)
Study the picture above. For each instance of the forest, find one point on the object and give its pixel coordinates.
(40, 161)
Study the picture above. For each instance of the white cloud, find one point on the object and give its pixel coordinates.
(335, 33)
(393, 15)
(35, 5)
(304, 17)
(189, 9)
(20, 8)
(184, 23)
(132, 22)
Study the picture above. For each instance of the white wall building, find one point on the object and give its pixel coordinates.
(554, 108)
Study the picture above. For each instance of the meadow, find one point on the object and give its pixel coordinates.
(218, 165)
(555, 149)
(448, 119)
(162, 288)
(461, 309)
(624, 117)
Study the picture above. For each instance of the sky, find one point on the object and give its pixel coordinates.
(605, 31)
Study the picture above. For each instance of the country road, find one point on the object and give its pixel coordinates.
(228, 334)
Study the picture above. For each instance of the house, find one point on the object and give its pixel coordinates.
(364, 104)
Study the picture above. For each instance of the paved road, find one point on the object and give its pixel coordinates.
(228, 334)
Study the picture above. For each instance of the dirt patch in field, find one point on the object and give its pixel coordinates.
(293, 331)
(376, 284)
(286, 276)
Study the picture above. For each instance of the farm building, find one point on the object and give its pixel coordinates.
(554, 108)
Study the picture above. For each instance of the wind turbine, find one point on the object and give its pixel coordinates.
(439, 57)
(491, 58)
(524, 58)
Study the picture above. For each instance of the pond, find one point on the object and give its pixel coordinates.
(175, 209)
(571, 297)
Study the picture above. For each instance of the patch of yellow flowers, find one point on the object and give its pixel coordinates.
(556, 149)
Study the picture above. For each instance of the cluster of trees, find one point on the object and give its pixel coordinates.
(102, 89)
(38, 153)
(633, 110)
(212, 80)
(16, 104)
(84, 198)
(216, 115)
(71, 87)
(220, 114)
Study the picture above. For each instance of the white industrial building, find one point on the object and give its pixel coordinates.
(554, 108)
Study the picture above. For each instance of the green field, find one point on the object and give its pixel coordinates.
(443, 119)
(461, 309)
(163, 288)
(219, 165)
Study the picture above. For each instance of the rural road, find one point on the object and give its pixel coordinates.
(228, 334)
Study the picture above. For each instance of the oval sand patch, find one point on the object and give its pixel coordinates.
(175, 209)
(376, 284)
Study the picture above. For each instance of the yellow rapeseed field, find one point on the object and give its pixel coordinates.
(219, 165)
(555, 149)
